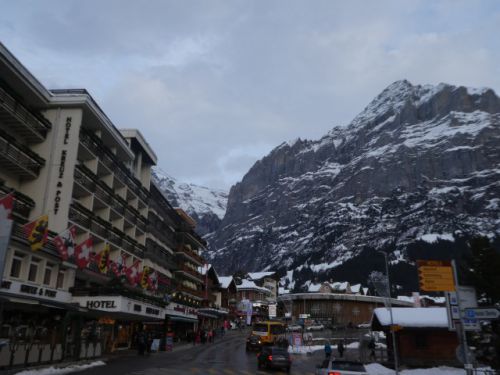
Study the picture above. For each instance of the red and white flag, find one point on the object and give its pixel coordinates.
(153, 281)
(6, 206)
(83, 252)
(132, 273)
(65, 243)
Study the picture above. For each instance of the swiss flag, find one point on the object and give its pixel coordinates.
(153, 281)
(65, 243)
(132, 273)
(83, 251)
(6, 206)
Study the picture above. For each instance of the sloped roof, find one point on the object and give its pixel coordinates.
(225, 281)
(259, 275)
(248, 284)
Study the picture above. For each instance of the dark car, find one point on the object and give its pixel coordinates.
(253, 343)
(274, 357)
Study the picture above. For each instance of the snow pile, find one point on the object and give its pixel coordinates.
(413, 317)
(377, 369)
(61, 370)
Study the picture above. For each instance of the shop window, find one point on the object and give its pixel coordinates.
(60, 280)
(33, 269)
(16, 265)
(47, 277)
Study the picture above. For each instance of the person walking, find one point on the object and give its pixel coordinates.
(371, 346)
(328, 350)
(341, 348)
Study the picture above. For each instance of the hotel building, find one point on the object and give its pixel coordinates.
(61, 156)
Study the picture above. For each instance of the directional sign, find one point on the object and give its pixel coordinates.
(482, 313)
(435, 276)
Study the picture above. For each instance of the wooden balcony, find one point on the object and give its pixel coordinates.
(193, 292)
(190, 254)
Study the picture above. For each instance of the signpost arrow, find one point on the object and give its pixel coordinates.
(482, 313)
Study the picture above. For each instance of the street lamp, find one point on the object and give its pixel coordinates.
(393, 332)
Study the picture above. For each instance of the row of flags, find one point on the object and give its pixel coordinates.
(82, 254)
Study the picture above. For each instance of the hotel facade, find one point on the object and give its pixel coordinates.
(96, 253)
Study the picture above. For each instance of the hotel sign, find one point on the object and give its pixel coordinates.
(29, 290)
(62, 164)
(120, 304)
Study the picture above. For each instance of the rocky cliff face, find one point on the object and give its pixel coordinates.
(419, 167)
(205, 205)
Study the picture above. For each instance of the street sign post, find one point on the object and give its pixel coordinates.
(435, 276)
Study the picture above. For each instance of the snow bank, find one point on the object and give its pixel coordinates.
(61, 370)
(376, 369)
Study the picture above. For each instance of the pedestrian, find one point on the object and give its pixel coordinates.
(203, 336)
(371, 346)
(197, 339)
(328, 350)
(340, 349)
(210, 336)
(149, 342)
(141, 342)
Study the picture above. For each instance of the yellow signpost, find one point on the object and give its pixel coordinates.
(436, 276)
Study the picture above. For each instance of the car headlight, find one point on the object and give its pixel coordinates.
(259, 341)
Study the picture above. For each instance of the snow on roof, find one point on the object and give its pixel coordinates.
(365, 291)
(356, 288)
(282, 291)
(225, 281)
(340, 286)
(259, 275)
(312, 288)
(248, 284)
(413, 317)
(432, 298)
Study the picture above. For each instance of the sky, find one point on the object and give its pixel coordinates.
(216, 85)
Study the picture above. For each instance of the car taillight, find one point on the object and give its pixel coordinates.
(334, 373)
(270, 357)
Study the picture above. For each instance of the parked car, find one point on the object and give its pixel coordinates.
(294, 328)
(315, 327)
(329, 367)
(253, 343)
(274, 357)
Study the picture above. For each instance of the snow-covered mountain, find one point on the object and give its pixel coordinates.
(416, 173)
(205, 205)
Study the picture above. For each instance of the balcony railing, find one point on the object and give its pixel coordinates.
(22, 203)
(25, 123)
(182, 268)
(183, 250)
(86, 219)
(18, 158)
(193, 292)
(95, 145)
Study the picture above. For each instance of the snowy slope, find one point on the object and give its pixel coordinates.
(416, 172)
(206, 205)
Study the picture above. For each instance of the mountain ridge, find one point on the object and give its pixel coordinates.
(382, 182)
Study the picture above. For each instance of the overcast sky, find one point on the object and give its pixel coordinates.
(215, 85)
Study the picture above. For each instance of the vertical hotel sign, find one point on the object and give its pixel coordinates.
(62, 164)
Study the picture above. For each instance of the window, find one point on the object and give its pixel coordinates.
(47, 277)
(60, 280)
(33, 270)
(17, 262)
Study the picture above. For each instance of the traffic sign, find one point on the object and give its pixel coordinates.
(435, 276)
(482, 313)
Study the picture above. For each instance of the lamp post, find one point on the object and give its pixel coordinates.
(393, 332)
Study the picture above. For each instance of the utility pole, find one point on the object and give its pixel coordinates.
(393, 332)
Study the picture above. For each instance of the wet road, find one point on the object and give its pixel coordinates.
(226, 357)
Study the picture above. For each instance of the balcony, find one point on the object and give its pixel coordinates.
(32, 128)
(192, 292)
(19, 159)
(189, 273)
(121, 172)
(86, 219)
(190, 254)
(22, 203)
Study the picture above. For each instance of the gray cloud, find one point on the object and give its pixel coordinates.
(215, 85)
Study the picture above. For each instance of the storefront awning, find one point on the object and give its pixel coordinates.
(182, 319)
